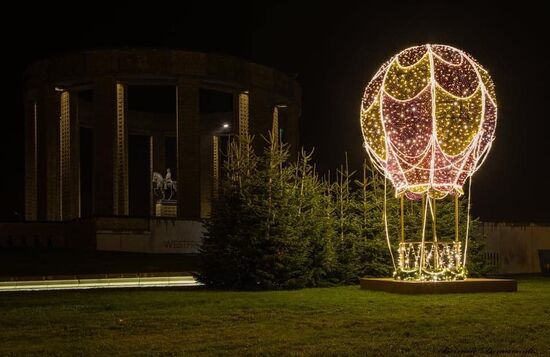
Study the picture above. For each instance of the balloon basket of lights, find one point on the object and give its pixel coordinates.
(435, 260)
(440, 261)
(433, 266)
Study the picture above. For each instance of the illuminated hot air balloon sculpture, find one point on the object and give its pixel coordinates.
(428, 119)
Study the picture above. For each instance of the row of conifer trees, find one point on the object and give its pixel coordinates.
(278, 224)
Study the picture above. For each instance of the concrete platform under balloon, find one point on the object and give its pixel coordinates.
(442, 287)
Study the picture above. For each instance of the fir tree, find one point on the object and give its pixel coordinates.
(268, 229)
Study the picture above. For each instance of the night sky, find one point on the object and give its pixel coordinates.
(333, 50)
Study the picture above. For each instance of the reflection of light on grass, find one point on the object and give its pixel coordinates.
(73, 284)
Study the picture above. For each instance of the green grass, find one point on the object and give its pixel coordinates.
(327, 321)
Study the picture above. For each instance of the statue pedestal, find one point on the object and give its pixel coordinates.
(166, 208)
(470, 285)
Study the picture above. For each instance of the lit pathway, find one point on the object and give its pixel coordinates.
(95, 283)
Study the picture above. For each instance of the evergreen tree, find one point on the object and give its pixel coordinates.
(268, 229)
(374, 257)
(315, 226)
(347, 226)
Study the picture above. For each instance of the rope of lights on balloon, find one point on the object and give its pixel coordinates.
(467, 221)
(428, 118)
(386, 223)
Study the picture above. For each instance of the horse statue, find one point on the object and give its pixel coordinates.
(158, 186)
(164, 188)
(171, 188)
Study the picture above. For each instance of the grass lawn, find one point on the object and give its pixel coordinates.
(340, 320)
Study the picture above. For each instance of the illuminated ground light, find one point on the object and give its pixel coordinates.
(428, 119)
(87, 282)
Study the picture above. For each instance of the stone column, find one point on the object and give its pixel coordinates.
(275, 124)
(31, 153)
(49, 182)
(120, 168)
(69, 156)
(206, 173)
(158, 162)
(241, 113)
(75, 157)
(105, 116)
(188, 144)
(215, 167)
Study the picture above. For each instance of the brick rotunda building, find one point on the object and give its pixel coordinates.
(99, 124)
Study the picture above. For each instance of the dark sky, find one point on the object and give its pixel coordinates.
(333, 48)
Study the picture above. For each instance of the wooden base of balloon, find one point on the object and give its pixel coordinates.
(441, 287)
